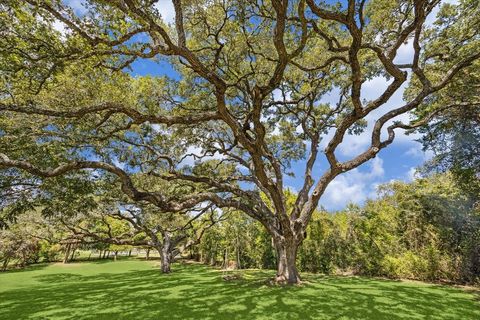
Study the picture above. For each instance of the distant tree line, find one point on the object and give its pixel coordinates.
(428, 229)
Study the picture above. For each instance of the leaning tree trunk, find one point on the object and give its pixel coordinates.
(73, 253)
(286, 260)
(5, 263)
(67, 253)
(165, 253)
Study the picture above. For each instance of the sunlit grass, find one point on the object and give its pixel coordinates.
(135, 289)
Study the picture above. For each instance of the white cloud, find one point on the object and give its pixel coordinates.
(373, 88)
(60, 26)
(78, 6)
(342, 191)
(411, 175)
(377, 168)
(277, 95)
(119, 164)
(166, 10)
(415, 151)
(405, 53)
(353, 145)
(194, 152)
(354, 186)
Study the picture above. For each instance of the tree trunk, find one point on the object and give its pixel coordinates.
(5, 263)
(115, 256)
(73, 253)
(130, 253)
(237, 249)
(104, 254)
(286, 261)
(67, 253)
(166, 259)
(108, 254)
(225, 259)
(147, 256)
(165, 253)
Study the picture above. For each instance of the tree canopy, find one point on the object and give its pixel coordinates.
(245, 97)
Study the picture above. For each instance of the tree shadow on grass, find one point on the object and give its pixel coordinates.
(31, 267)
(198, 292)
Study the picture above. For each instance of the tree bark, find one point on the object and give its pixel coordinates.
(5, 263)
(286, 261)
(73, 253)
(165, 253)
(225, 259)
(166, 259)
(67, 253)
(237, 249)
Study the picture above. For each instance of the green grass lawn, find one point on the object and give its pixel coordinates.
(134, 289)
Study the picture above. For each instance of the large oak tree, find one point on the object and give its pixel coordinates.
(248, 90)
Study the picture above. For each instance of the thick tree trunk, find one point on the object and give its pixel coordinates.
(147, 256)
(165, 253)
(286, 261)
(130, 253)
(166, 259)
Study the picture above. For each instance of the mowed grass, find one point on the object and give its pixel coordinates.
(134, 289)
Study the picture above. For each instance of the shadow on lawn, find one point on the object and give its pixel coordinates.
(198, 292)
(32, 267)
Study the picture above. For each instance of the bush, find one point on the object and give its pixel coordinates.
(50, 252)
(408, 265)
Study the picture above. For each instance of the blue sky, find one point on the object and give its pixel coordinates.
(396, 162)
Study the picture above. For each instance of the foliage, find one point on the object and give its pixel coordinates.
(27, 241)
(427, 230)
(248, 96)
